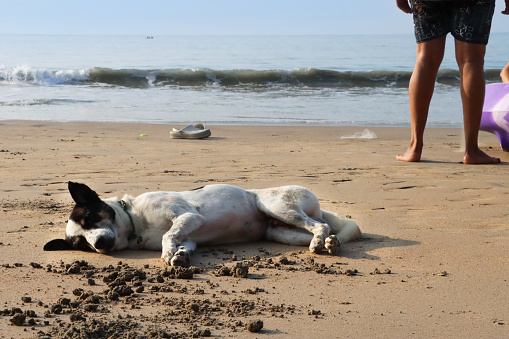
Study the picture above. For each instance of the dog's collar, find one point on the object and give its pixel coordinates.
(132, 235)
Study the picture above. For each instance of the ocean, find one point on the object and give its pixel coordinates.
(343, 80)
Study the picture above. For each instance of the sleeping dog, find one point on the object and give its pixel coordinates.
(175, 222)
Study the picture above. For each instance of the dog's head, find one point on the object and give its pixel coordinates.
(91, 225)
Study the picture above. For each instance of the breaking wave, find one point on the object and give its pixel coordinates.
(138, 78)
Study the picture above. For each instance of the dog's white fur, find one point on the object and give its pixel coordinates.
(174, 222)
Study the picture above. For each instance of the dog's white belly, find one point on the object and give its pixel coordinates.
(230, 213)
(231, 229)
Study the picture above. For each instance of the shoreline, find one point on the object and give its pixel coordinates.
(438, 226)
(237, 124)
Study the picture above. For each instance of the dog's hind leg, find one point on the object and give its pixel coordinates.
(298, 207)
(318, 229)
(177, 248)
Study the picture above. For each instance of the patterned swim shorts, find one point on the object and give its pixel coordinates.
(468, 21)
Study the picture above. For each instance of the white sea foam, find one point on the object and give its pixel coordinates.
(366, 134)
(32, 76)
(212, 77)
(151, 77)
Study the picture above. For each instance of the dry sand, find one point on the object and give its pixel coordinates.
(439, 227)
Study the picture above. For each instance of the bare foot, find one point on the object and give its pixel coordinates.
(479, 157)
(409, 156)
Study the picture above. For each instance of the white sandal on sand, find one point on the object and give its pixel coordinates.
(197, 131)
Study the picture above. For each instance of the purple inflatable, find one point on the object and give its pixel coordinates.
(495, 113)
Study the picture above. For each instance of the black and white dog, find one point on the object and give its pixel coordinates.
(175, 222)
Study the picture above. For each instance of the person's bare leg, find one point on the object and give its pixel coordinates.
(429, 56)
(470, 58)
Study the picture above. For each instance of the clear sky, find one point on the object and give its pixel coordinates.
(210, 17)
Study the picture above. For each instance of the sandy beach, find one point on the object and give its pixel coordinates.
(432, 263)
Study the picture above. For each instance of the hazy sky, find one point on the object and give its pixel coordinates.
(204, 17)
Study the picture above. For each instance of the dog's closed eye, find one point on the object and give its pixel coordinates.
(80, 243)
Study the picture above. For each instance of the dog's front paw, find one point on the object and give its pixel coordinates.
(317, 244)
(181, 258)
(332, 244)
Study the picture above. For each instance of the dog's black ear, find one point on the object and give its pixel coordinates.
(82, 194)
(57, 245)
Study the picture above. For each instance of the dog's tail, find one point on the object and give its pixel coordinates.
(345, 229)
